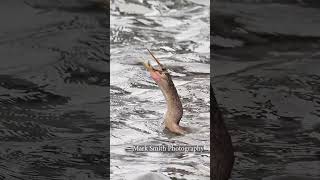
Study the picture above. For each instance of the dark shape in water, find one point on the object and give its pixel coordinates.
(222, 153)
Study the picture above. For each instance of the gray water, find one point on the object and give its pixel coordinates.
(54, 76)
(266, 78)
(177, 32)
(53, 90)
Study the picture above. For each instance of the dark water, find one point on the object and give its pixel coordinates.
(53, 90)
(54, 76)
(266, 77)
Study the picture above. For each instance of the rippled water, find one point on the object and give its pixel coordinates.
(266, 66)
(177, 32)
(53, 78)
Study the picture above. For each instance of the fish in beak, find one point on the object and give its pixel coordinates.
(158, 73)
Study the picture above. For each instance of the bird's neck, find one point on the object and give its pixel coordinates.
(173, 99)
(174, 106)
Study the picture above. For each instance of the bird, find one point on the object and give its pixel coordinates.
(221, 149)
(174, 107)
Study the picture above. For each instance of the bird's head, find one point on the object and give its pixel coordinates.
(160, 74)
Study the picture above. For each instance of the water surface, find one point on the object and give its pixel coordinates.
(53, 81)
(265, 72)
(177, 32)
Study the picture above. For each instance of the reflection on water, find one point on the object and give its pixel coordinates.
(267, 82)
(52, 105)
(177, 32)
(53, 77)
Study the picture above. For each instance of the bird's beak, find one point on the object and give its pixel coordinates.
(156, 73)
(158, 62)
(151, 68)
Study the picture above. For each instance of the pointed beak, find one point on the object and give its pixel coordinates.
(156, 73)
(158, 62)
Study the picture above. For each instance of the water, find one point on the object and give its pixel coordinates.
(267, 83)
(177, 32)
(53, 81)
(53, 113)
